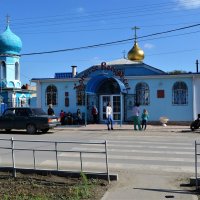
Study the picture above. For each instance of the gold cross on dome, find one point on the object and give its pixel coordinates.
(135, 28)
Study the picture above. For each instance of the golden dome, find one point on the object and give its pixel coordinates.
(136, 54)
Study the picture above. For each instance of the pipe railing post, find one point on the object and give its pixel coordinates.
(13, 157)
(56, 149)
(34, 158)
(12, 149)
(196, 178)
(107, 169)
(81, 161)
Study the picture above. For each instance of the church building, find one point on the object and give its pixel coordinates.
(123, 82)
(12, 92)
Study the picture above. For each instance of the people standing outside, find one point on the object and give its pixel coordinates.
(62, 117)
(79, 116)
(144, 117)
(109, 116)
(94, 114)
(50, 110)
(136, 118)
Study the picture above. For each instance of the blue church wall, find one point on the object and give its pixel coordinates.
(157, 107)
(10, 71)
(11, 84)
(33, 102)
(63, 88)
(163, 106)
(10, 67)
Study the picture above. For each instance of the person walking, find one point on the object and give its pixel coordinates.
(144, 117)
(94, 114)
(109, 117)
(50, 110)
(136, 114)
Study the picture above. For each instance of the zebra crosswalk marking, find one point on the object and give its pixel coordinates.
(164, 156)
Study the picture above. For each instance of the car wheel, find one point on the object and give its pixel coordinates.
(45, 130)
(8, 130)
(31, 129)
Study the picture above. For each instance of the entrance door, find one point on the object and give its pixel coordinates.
(115, 101)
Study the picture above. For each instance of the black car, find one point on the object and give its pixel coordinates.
(31, 119)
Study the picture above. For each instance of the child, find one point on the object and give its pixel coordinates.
(144, 117)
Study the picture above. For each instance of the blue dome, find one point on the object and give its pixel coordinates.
(10, 43)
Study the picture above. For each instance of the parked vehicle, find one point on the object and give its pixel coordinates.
(195, 124)
(31, 119)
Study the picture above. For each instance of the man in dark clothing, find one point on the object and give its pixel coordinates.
(95, 114)
(50, 110)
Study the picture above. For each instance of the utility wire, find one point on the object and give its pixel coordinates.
(109, 43)
(146, 9)
(141, 9)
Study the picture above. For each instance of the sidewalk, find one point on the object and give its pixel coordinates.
(144, 185)
(118, 127)
(149, 186)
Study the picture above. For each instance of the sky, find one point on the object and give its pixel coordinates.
(50, 25)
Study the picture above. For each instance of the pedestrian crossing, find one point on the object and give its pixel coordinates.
(142, 153)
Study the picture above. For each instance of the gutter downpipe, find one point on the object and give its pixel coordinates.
(193, 100)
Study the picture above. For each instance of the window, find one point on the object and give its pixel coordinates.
(51, 95)
(142, 94)
(16, 71)
(180, 93)
(3, 70)
(21, 112)
(67, 99)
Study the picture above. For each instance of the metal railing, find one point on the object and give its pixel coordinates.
(196, 163)
(53, 147)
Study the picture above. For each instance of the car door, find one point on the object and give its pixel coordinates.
(21, 118)
(7, 120)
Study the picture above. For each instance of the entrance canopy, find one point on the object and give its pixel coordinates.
(95, 82)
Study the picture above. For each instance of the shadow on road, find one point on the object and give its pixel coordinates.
(167, 190)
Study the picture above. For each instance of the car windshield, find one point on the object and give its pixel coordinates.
(38, 111)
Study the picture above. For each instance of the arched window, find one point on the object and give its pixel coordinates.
(16, 71)
(3, 71)
(51, 95)
(180, 93)
(142, 95)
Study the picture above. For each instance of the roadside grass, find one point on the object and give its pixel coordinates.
(38, 187)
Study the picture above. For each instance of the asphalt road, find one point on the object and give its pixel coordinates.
(157, 148)
(157, 152)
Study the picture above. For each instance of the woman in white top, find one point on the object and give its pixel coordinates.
(109, 114)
